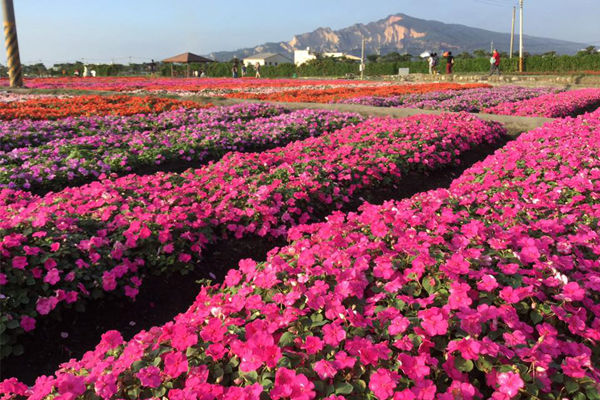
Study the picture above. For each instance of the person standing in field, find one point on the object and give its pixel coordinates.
(234, 70)
(244, 70)
(495, 63)
(431, 62)
(257, 68)
(152, 69)
(449, 62)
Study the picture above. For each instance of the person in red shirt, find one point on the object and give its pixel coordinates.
(495, 63)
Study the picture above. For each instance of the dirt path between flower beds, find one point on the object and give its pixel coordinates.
(514, 124)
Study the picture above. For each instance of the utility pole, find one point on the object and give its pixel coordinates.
(12, 45)
(521, 61)
(512, 33)
(492, 47)
(362, 59)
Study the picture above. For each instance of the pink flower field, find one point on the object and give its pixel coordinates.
(486, 287)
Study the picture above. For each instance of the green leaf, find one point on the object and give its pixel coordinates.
(571, 386)
(579, 396)
(463, 365)
(592, 393)
(532, 389)
(536, 317)
(344, 388)
(18, 350)
(12, 324)
(2, 328)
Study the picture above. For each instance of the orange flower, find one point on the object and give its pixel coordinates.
(90, 105)
(334, 94)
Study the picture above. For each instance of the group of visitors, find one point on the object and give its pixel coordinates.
(433, 61)
(244, 70)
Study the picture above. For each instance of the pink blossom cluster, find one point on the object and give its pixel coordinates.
(107, 235)
(558, 105)
(487, 290)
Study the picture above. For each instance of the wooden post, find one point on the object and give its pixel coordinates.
(172, 70)
(12, 45)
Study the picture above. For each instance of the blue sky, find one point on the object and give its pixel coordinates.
(99, 31)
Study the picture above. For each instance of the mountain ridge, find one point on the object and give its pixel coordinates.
(404, 34)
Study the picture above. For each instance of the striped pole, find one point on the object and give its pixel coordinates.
(12, 45)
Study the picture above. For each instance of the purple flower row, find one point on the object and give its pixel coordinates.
(83, 149)
(472, 100)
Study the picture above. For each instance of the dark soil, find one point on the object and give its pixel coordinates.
(161, 299)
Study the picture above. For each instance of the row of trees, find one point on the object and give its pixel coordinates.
(377, 65)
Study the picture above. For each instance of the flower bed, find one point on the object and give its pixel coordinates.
(205, 86)
(8, 97)
(54, 108)
(337, 94)
(104, 237)
(83, 150)
(473, 100)
(552, 105)
(486, 290)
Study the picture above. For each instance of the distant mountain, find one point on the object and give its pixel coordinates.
(403, 34)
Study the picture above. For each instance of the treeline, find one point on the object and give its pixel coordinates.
(389, 64)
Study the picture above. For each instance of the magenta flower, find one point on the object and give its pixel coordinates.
(176, 364)
(27, 323)
(149, 376)
(325, 369)
(383, 382)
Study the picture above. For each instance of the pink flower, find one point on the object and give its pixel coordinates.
(434, 322)
(343, 361)
(458, 296)
(487, 284)
(214, 331)
(3, 280)
(184, 257)
(150, 377)
(333, 334)
(399, 325)
(54, 246)
(573, 292)
(382, 383)
(52, 277)
(175, 364)
(529, 254)
(71, 385)
(574, 366)
(46, 304)
(106, 386)
(27, 323)
(325, 369)
(251, 392)
(312, 345)
(292, 385)
(216, 351)
(509, 383)
(19, 262)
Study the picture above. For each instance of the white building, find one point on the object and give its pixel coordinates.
(268, 59)
(302, 56)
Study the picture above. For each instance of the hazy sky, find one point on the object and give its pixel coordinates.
(104, 30)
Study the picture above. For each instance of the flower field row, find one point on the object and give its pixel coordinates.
(473, 100)
(552, 105)
(106, 236)
(27, 133)
(486, 290)
(196, 86)
(336, 94)
(103, 145)
(54, 108)
(7, 97)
